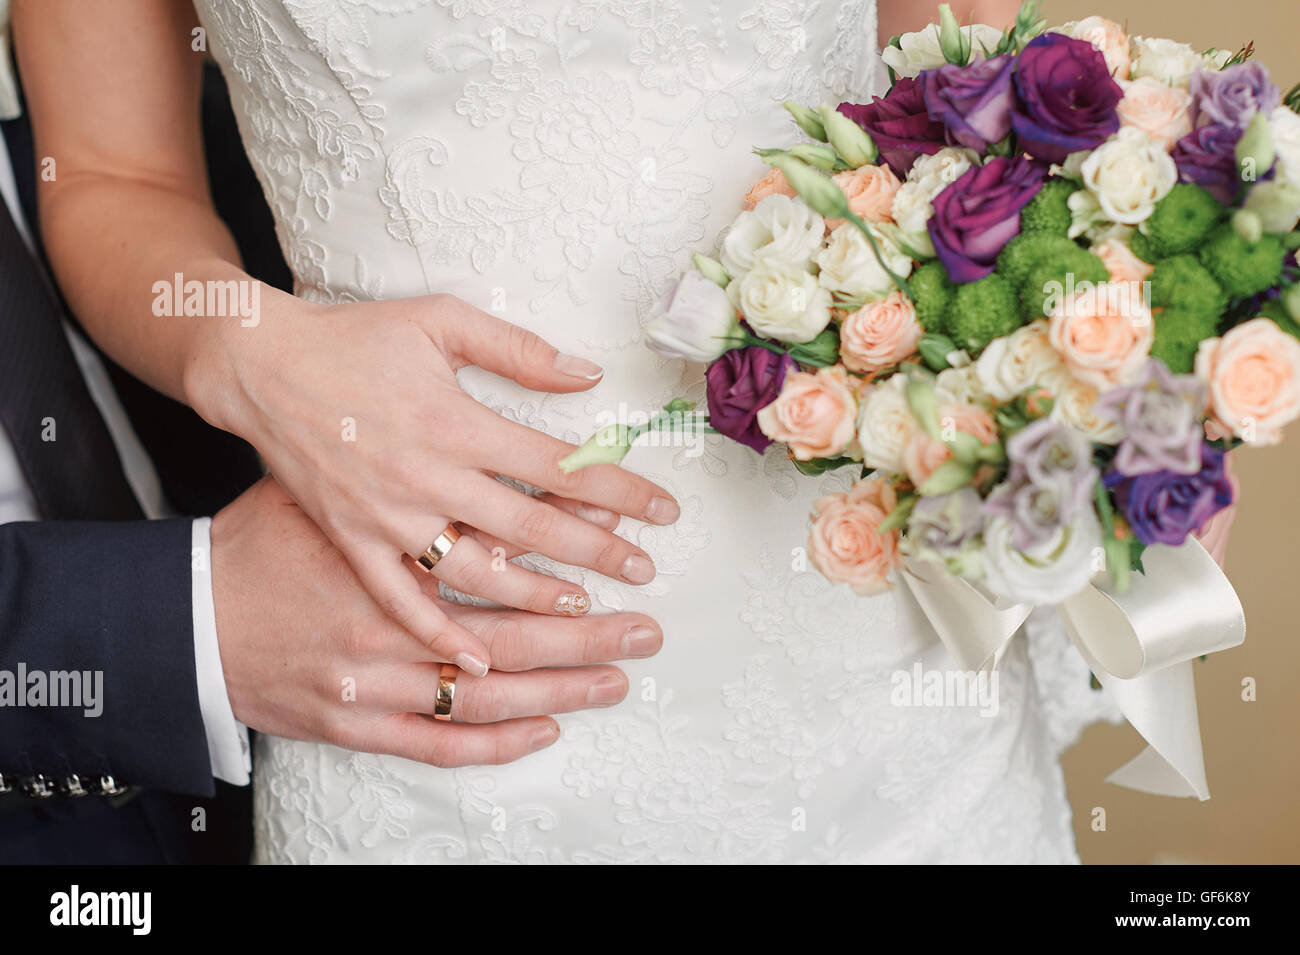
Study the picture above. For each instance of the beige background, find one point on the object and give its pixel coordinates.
(1252, 751)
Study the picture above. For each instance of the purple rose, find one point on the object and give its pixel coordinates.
(1067, 98)
(1233, 96)
(1163, 507)
(740, 383)
(1207, 158)
(899, 124)
(979, 213)
(974, 102)
(1161, 416)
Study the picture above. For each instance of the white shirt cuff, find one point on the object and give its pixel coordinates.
(227, 737)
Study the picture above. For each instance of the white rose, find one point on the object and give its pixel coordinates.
(849, 264)
(781, 302)
(1286, 142)
(920, 51)
(1128, 175)
(1168, 61)
(778, 229)
(1075, 406)
(960, 386)
(1017, 363)
(693, 320)
(929, 176)
(885, 424)
(1058, 569)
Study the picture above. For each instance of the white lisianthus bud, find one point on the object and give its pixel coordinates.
(782, 302)
(815, 188)
(693, 320)
(1248, 225)
(850, 140)
(954, 44)
(815, 154)
(1276, 203)
(807, 119)
(921, 50)
(1255, 152)
(711, 269)
(609, 445)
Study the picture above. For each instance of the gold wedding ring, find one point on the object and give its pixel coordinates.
(440, 548)
(446, 692)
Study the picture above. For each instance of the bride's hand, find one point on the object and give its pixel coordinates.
(358, 413)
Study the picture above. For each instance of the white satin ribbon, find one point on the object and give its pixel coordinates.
(9, 108)
(1140, 645)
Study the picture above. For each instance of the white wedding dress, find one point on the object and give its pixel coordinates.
(557, 163)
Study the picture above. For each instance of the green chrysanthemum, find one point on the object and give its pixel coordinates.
(1178, 334)
(1243, 268)
(1182, 220)
(1048, 213)
(1019, 256)
(1181, 282)
(1055, 276)
(932, 294)
(983, 311)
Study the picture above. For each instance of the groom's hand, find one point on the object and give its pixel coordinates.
(308, 654)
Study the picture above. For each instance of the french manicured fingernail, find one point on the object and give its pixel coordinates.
(577, 367)
(662, 510)
(546, 736)
(597, 515)
(638, 570)
(471, 664)
(573, 605)
(608, 691)
(641, 642)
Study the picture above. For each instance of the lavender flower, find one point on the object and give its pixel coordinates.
(944, 523)
(1050, 482)
(1233, 96)
(1161, 416)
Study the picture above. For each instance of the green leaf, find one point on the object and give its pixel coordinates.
(899, 515)
(947, 477)
(819, 466)
(935, 350)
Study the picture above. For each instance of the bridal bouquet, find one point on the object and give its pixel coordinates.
(1032, 295)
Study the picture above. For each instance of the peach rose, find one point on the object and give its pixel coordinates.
(845, 543)
(922, 454)
(1108, 37)
(773, 184)
(1253, 374)
(1104, 333)
(870, 190)
(815, 415)
(1119, 259)
(1162, 112)
(879, 334)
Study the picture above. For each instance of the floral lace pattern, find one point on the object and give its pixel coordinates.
(556, 164)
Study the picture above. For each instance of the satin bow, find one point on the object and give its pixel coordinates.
(1140, 645)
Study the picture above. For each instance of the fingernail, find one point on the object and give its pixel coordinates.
(662, 510)
(597, 515)
(638, 570)
(577, 367)
(607, 692)
(641, 642)
(573, 605)
(546, 736)
(471, 664)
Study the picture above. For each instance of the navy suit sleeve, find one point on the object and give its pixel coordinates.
(112, 598)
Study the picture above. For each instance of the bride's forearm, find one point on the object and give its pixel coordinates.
(148, 269)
